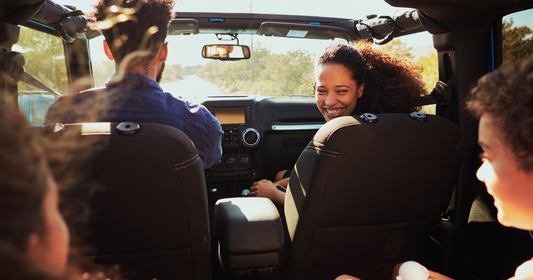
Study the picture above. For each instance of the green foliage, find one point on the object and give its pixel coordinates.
(45, 60)
(517, 42)
(428, 62)
(192, 70)
(398, 48)
(430, 69)
(173, 73)
(266, 73)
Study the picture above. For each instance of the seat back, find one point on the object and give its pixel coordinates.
(365, 195)
(151, 215)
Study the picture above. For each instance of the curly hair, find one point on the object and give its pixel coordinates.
(507, 96)
(29, 161)
(392, 84)
(24, 176)
(125, 23)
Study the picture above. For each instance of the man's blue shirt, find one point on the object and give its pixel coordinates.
(140, 99)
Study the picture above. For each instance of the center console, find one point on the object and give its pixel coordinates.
(240, 142)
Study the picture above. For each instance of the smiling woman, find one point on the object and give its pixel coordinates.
(351, 80)
(336, 91)
(382, 82)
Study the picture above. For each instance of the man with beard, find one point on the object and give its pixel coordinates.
(135, 33)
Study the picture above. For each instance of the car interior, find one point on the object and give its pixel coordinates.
(367, 192)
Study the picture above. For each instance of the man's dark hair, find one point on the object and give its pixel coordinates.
(507, 96)
(125, 23)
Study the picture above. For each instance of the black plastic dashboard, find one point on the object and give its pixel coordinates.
(262, 135)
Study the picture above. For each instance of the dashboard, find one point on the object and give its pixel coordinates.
(262, 135)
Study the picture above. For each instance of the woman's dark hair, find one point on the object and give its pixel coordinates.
(24, 179)
(392, 84)
(29, 162)
(24, 182)
(507, 96)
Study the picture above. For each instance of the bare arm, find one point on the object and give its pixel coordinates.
(266, 188)
(283, 183)
(346, 277)
(437, 276)
(280, 174)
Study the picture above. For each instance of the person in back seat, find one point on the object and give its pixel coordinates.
(34, 238)
(503, 101)
(135, 33)
(352, 80)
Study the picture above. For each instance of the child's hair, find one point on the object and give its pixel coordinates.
(507, 96)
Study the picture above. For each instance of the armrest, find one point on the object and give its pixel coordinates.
(250, 233)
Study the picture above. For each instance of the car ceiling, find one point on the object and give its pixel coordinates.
(439, 16)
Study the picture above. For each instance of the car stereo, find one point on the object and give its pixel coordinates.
(233, 115)
(236, 121)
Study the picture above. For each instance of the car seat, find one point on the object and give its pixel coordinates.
(366, 193)
(151, 216)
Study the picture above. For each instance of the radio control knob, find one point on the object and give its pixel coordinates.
(244, 160)
(230, 161)
(250, 137)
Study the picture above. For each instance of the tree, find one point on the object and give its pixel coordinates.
(430, 69)
(428, 62)
(275, 74)
(173, 73)
(398, 48)
(517, 42)
(45, 60)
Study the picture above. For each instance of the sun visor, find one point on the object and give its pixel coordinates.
(183, 26)
(310, 31)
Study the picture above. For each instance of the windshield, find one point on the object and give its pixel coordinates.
(277, 67)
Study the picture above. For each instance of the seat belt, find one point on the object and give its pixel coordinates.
(28, 79)
(13, 64)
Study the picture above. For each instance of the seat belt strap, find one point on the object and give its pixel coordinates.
(27, 78)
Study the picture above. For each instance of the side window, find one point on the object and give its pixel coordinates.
(102, 67)
(517, 36)
(45, 61)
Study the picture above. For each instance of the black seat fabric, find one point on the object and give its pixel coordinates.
(151, 216)
(365, 196)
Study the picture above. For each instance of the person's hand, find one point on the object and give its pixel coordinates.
(437, 276)
(266, 188)
(346, 277)
(263, 188)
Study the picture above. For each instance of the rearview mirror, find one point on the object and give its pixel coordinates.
(226, 52)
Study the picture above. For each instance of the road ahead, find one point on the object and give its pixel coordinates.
(192, 89)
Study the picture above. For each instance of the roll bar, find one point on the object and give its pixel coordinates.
(67, 20)
(385, 28)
